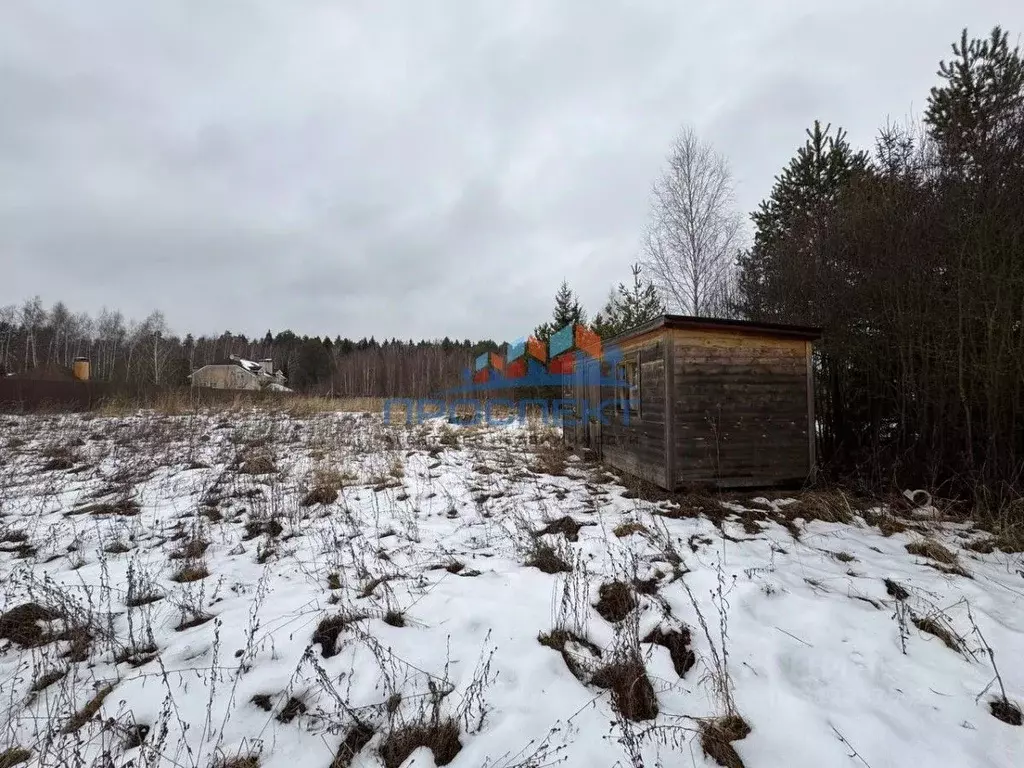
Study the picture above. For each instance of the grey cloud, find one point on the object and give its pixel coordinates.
(400, 168)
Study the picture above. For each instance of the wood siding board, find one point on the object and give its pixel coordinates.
(811, 430)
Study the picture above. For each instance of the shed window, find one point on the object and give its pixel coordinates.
(628, 376)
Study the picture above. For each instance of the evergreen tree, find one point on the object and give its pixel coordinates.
(567, 310)
(313, 364)
(975, 111)
(628, 306)
(804, 197)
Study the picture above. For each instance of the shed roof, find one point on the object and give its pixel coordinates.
(686, 322)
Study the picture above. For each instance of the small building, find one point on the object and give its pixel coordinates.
(689, 402)
(241, 374)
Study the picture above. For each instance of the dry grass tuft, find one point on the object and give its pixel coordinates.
(321, 494)
(716, 737)
(551, 457)
(239, 761)
(357, 737)
(441, 738)
(632, 693)
(13, 756)
(896, 590)
(47, 679)
(1005, 710)
(193, 620)
(123, 507)
(615, 601)
(629, 528)
(564, 525)
(88, 712)
(190, 572)
(193, 549)
(831, 506)
(327, 631)
(21, 625)
(292, 709)
(933, 627)
(887, 523)
(117, 547)
(258, 465)
(932, 549)
(559, 640)
(547, 559)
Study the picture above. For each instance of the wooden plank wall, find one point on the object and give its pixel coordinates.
(741, 409)
(639, 448)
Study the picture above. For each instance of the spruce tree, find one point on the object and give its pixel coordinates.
(804, 196)
(972, 114)
(567, 310)
(628, 306)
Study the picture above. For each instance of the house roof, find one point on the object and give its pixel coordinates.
(687, 322)
(250, 367)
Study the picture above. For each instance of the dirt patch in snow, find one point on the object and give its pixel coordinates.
(678, 644)
(716, 737)
(616, 600)
(632, 693)
(441, 738)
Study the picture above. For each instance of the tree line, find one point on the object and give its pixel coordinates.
(140, 354)
(910, 256)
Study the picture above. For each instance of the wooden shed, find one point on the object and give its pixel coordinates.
(699, 403)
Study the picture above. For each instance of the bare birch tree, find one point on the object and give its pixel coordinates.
(694, 230)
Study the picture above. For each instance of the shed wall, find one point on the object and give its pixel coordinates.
(742, 406)
(639, 446)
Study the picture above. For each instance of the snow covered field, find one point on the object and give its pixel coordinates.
(260, 590)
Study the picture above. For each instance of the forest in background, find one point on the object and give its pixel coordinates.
(909, 255)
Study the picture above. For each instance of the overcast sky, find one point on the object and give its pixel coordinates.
(411, 169)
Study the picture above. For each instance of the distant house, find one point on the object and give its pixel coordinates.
(239, 373)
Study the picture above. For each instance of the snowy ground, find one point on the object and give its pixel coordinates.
(259, 590)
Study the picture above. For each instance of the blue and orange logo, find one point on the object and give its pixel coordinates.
(572, 353)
